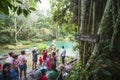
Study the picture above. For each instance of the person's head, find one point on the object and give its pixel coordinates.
(49, 55)
(11, 54)
(35, 48)
(54, 48)
(68, 68)
(33, 51)
(63, 47)
(53, 65)
(43, 50)
(62, 67)
(53, 53)
(57, 50)
(23, 52)
(6, 67)
(15, 56)
(43, 71)
(40, 57)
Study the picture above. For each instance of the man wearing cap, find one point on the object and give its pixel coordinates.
(34, 58)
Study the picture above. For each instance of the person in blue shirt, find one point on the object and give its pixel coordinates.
(7, 73)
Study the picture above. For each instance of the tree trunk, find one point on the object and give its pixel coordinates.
(102, 24)
(15, 25)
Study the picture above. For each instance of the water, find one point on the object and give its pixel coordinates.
(67, 45)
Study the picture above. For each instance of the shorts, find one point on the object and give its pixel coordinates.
(35, 60)
(23, 67)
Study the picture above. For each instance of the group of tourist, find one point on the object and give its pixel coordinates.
(48, 62)
(49, 68)
(16, 65)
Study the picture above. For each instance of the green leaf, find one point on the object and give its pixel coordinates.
(31, 8)
(19, 11)
(10, 6)
(107, 73)
(18, 1)
(15, 8)
(25, 12)
(5, 10)
(108, 62)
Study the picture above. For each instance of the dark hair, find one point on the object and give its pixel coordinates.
(54, 53)
(62, 46)
(43, 71)
(23, 52)
(53, 65)
(11, 53)
(15, 56)
(4, 72)
(33, 51)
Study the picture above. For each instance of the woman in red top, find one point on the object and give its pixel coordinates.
(44, 56)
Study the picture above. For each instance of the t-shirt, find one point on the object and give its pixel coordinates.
(40, 60)
(9, 60)
(44, 55)
(35, 57)
(52, 75)
(63, 52)
(22, 59)
(43, 78)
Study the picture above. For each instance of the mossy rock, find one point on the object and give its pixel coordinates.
(19, 45)
(9, 47)
(25, 42)
(37, 40)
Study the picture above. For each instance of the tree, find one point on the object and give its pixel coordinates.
(12, 8)
(96, 17)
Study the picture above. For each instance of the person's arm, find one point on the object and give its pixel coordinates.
(37, 53)
(25, 59)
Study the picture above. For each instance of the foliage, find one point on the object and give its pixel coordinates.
(62, 17)
(5, 37)
(15, 6)
(92, 17)
(41, 47)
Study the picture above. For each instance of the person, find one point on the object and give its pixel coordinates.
(54, 51)
(15, 65)
(48, 62)
(54, 58)
(53, 73)
(37, 74)
(1, 58)
(8, 73)
(53, 43)
(40, 60)
(10, 58)
(1, 61)
(63, 54)
(44, 56)
(67, 70)
(22, 64)
(34, 58)
(43, 77)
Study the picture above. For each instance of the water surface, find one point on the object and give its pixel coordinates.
(67, 44)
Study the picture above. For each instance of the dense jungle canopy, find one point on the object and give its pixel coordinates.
(20, 20)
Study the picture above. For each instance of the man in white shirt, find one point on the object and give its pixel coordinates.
(63, 54)
(10, 58)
